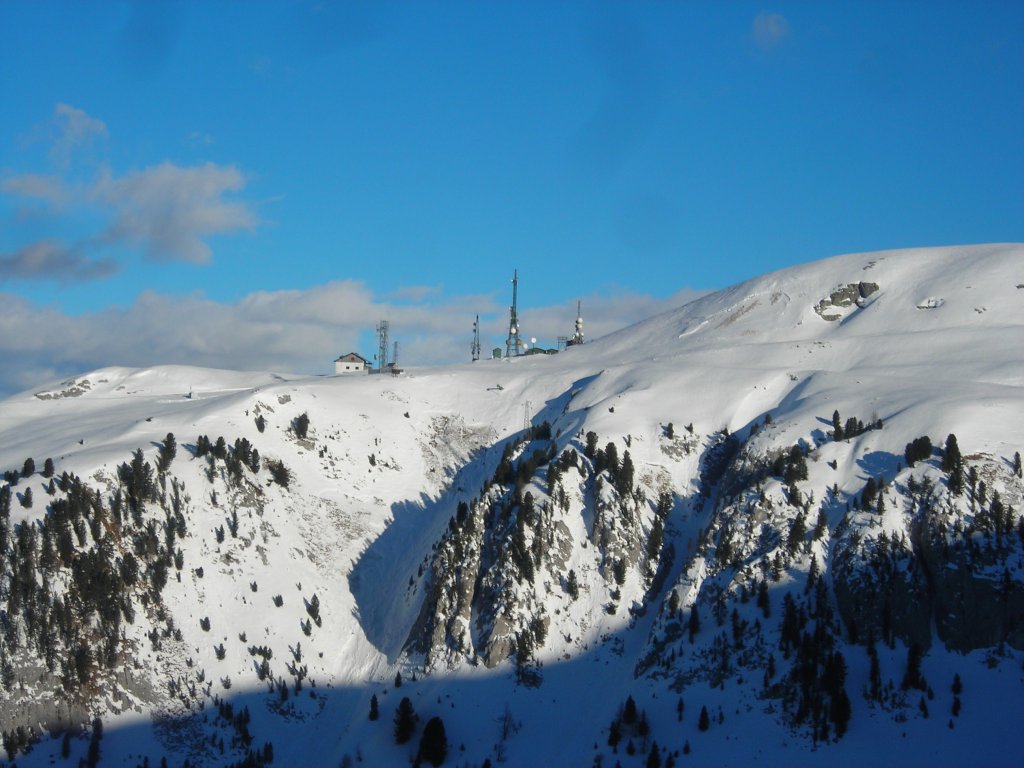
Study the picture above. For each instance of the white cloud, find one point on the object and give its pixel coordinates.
(47, 189)
(168, 210)
(770, 29)
(298, 331)
(50, 260)
(76, 130)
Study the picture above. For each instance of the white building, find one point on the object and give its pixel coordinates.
(353, 362)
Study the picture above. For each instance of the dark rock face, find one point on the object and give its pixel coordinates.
(882, 594)
(843, 298)
(950, 568)
(976, 603)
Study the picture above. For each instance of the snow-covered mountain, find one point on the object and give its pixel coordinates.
(750, 506)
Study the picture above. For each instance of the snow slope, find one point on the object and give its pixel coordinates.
(928, 341)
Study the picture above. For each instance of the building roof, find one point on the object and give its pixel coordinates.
(352, 357)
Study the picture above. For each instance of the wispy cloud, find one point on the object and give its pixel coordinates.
(770, 30)
(200, 139)
(47, 189)
(167, 212)
(298, 331)
(50, 260)
(76, 130)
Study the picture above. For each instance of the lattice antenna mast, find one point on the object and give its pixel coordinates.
(513, 344)
(578, 336)
(394, 359)
(475, 349)
(382, 341)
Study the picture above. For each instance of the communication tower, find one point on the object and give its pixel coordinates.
(577, 337)
(394, 360)
(513, 344)
(382, 341)
(475, 349)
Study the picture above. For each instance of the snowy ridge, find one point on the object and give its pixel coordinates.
(430, 524)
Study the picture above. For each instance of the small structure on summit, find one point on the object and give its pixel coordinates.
(577, 337)
(353, 362)
(514, 344)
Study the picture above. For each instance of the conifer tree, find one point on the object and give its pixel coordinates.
(654, 756)
(374, 711)
(614, 735)
(168, 450)
(405, 721)
(572, 586)
(953, 465)
(434, 742)
(629, 711)
(797, 531)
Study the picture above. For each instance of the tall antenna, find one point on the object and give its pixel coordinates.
(476, 339)
(382, 341)
(577, 337)
(394, 359)
(513, 343)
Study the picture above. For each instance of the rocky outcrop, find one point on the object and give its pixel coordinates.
(843, 298)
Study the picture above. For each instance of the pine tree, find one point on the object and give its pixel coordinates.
(953, 465)
(93, 755)
(797, 531)
(374, 711)
(655, 539)
(629, 711)
(614, 735)
(837, 426)
(624, 475)
(703, 722)
(405, 721)
(434, 742)
(168, 450)
(694, 622)
(654, 756)
(912, 678)
(572, 586)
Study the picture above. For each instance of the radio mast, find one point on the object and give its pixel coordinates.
(513, 344)
(382, 341)
(475, 349)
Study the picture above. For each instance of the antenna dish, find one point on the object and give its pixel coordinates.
(533, 340)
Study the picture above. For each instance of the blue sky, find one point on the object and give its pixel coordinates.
(256, 184)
